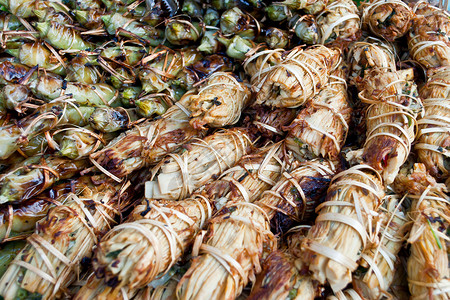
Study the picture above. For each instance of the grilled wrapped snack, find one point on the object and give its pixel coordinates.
(27, 8)
(369, 54)
(433, 146)
(36, 174)
(17, 221)
(108, 119)
(12, 72)
(284, 275)
(163, 65)
(305, 28)
(379, 262)
(178, 175)
(134, 253)
(81, 70)
(220, 102)
(15, 97)
(155, 249)
(390, 119)
(153, 104)
(339, 22)
(297, 78)
(190, 75)
(343, 227)
(48, 87)
(182, 32)
(37, 53)
(321, 128)
(46, 117)
(62, 37)
(80, 142)
(387, 19)
(240, 235)
(118, 24)
(428, 41)
(96, 289)
(309, 6)
(148, 142)
(49, 261)
(428, 271)
(162, 288)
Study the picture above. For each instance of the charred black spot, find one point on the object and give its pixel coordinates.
(147, 209)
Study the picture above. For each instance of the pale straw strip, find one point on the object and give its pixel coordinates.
(332, 254)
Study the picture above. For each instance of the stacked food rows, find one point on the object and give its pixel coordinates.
(152, 151)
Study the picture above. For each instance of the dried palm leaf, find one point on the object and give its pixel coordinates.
(220, 102)
(178, 175)
(240, 234)
(433, 147)
(344, 225)
(321, 128)
(50, 260)
(379, 263)
(428, 271)
(297, 78)
(371, 53)
(133, 254)
(390, 19)
(339, 22)
(390, 119)
(428, 41)
(149, 142)
(348, 294)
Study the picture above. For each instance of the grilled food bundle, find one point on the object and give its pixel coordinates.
(166, 149)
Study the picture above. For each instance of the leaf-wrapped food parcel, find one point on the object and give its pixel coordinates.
(46, 117)
(427, 266)
(50, 260)
(17, 221)
(220, 102)
(149, 142)
(36, 53)
(155, 249)
(178, 175)
(298, 77)
(380, 261)
(394, 105)
(433, 137)
(428, 41)
(36, 174)
(370, 53)
(321, 128)
(284, 275)
(343, 226)
(339, 22)
(387, 19)
(239, 236)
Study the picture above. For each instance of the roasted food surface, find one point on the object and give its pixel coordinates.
(211, 149)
